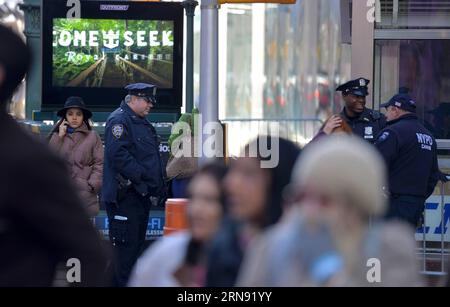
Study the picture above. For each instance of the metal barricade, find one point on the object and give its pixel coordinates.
(434, 248)
(242, 131)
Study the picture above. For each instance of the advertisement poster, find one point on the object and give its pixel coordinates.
(111, 53)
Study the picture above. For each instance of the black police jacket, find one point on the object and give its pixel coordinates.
(367, 125)
(131, 150)
(409, 150)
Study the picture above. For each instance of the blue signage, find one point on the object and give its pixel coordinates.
(155, 227)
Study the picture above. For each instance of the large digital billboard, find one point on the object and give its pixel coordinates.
(111, 53)
(112, 44)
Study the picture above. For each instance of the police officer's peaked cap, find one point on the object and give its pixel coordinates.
(75, 102)
(401, 100)
(145, 90)
(356, 87)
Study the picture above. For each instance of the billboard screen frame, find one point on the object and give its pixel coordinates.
(103, 98)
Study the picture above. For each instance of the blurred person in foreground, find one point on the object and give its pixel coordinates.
(255, 200)
(326, 239)
(42, 220)
(180, 259)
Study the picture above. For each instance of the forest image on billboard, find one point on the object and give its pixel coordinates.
(112, 53)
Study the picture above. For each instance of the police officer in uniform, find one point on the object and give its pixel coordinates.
(133, 177)
(364, 122)
(409, 150)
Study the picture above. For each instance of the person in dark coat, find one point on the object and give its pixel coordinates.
(133, 176)
(256, 203)
(410, 153)
(42, 221)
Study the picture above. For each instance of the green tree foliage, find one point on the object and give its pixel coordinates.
(191, 119)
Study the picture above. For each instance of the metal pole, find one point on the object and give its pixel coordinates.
(209, 98)
(424, 238)
(32, 11)
(442, 226)
(395, 13)
(189, 7)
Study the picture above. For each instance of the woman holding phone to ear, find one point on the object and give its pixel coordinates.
(73, 138)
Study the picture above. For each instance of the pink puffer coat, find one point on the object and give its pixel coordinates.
(83, 151)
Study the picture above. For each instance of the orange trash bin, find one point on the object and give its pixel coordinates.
(175, 215)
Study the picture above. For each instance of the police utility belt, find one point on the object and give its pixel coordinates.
(125, 186)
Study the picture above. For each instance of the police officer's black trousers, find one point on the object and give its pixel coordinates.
(128, 222)
(407, 208)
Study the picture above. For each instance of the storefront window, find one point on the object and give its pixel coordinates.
(423, 67)
(278, 63)
(238, 87)
(304, 60)
(413, 14)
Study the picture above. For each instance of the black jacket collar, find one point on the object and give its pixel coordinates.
(409, 116)
(133, 115)
(364, 116)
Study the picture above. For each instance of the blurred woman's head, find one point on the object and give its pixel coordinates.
(246, 185)
(206, 201)
(255, 193)
(340, 180)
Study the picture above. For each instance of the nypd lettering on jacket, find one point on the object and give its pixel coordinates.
(410, 154)
(425, 141)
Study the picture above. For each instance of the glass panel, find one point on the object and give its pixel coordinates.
(239, 60)
(304, 60)
(281, 62)
(414, 14)
(422, 66)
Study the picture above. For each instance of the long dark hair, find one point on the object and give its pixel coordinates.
(60, 121)
(280, 176)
